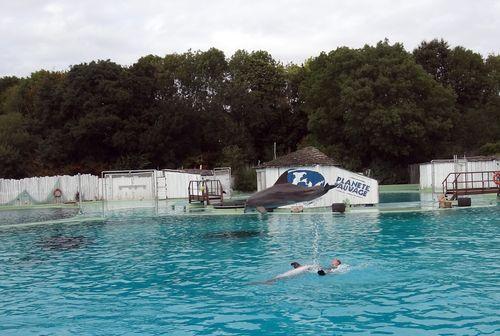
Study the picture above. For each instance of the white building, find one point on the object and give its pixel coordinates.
(310, 167)
(159, 184)
(432, 174)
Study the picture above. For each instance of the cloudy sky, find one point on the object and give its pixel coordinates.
(53, 35)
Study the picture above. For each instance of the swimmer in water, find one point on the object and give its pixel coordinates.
(334, 265)
(299, 269)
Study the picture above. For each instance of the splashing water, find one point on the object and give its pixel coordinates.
(315, 244)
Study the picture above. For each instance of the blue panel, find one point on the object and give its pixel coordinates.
(305, 178)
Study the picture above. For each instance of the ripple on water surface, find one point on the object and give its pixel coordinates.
(413, 273)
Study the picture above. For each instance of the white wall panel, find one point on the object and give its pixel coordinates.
(177, 183)
(436, 172)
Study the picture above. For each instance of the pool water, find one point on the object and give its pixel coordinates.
(393, 197)
(431, 273)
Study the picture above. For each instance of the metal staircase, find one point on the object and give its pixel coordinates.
(206, 191)
(469, 183)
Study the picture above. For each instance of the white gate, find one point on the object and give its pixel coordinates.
(223, 174)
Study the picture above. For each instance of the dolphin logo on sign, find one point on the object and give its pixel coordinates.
(305, 178)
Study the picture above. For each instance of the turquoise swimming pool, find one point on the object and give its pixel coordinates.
(417, 273)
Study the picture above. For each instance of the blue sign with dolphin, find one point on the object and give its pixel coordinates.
(305, 178)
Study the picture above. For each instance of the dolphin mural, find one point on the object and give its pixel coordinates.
(283, 193)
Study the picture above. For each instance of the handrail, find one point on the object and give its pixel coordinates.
(486, 182)
(205, 190)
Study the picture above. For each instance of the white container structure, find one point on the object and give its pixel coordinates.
(223, 174)
(176, 183)
(124, 189)
(432, 174)
(311, 167)
(158, 184)
(129, 185)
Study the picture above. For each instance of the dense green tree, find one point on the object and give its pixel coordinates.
(475, 83)
(257, 102)
(15, 146)
(434, 57)
(376, 108)
(183, 107)
(95, 104)
(7, 87)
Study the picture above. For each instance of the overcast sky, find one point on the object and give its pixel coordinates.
(53, 35)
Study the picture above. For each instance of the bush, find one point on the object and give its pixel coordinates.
(245, 180)
(490, 148)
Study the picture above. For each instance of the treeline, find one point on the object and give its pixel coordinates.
(378, 107)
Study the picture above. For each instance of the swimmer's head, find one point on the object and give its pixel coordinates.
(295, 264)
(336, 262)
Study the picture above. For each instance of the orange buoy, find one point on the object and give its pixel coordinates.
(57, 192)
(496, 178)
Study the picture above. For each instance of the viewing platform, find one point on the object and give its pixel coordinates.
(206, 191)
(471, 183)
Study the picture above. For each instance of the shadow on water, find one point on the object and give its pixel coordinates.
(241, 234)
(61, 243)
(56, 243)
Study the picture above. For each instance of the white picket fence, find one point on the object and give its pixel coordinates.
(38, 190)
